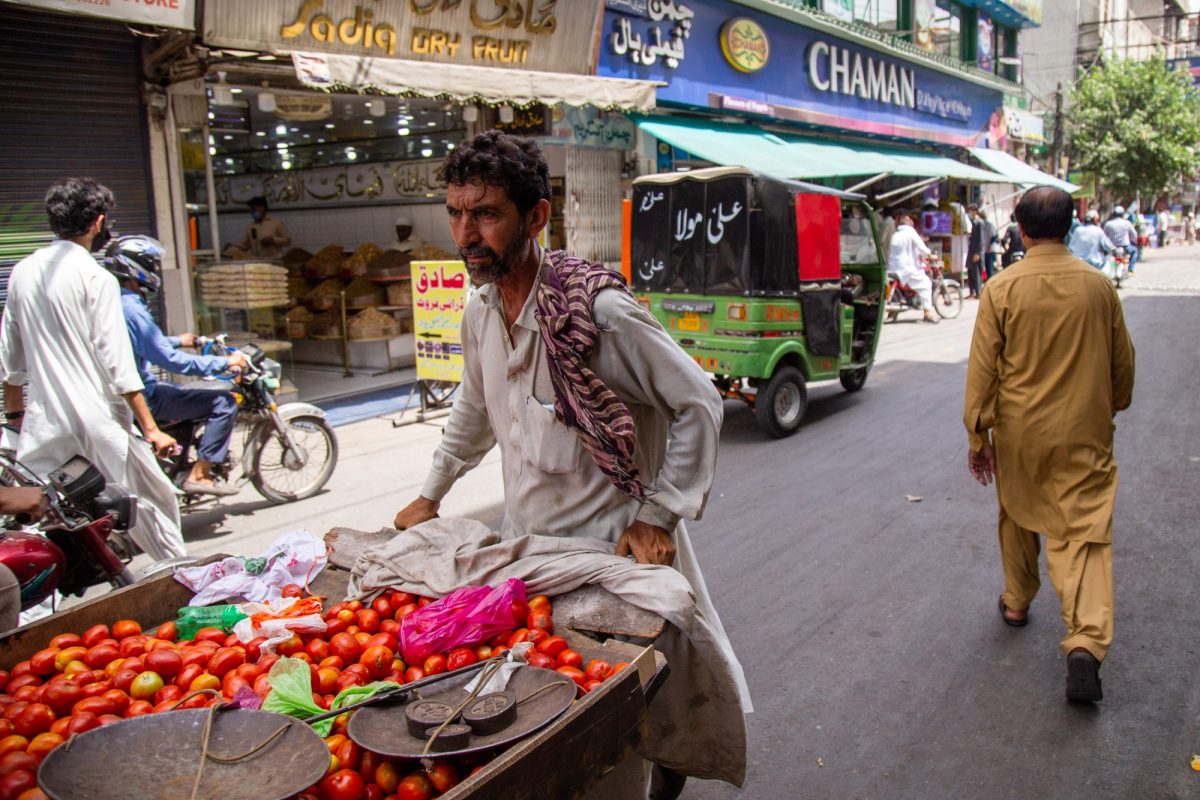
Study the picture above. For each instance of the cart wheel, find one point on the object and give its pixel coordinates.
(781, 404)
(853, 380)
(948, 299)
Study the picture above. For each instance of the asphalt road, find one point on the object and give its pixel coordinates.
(867, 623)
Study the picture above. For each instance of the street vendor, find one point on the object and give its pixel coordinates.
(406, 239)
(606, 428)
(265, 236)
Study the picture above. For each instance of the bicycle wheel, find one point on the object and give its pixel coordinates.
(948, 299)
(283, 476)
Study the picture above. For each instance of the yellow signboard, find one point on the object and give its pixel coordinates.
(439, 296)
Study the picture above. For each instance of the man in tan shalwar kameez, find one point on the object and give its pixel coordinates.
(1051, 364)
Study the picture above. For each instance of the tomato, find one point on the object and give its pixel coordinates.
(332, 661)
(398, 598)
(17, 782)
(592, 684)
(346, 616)
(169, 693)
(413, 674)
(224, 660)
(20, 668)
(460, 657)
(442, 775)
(124, 628)
(188, 674)
(76, 667)
(598, 670)
(108, 719)
(537, 636)
(254, 649)
(6, 728)
(552, 646)
(435, 664)
(36, 718)
(14, 710)
(249, 671)
(414, 787)
(166, 663)
(61, 696)
(383, 607)
(292, 646)
(368, 620)
(65, 656)
(574, 673)
(378, 661)
(387, 776)
(292, 590)
(32, 794)
(233, 683)
(345, 784)
(43, 743)
(138, 707)
(540, 619)
(13, 743)
(123, 678)
(345, 647)
(620, 665)
(390, 627)
(570, 658)
(424, 601)
(4, 676)
(132, 646)
(204, 681)
(96, 705)
(42, 662)
(97, 688)
(541, 660)
(518, 636)
(101, 655)
(92, 636)
(333, 627)
(146, 685)
(387, 640)
(65, 640)
(404, 610)
(334, 741)
(348, 754)
(119, 699)
(168, 631)
(266, 662)
(16, 760)
(483, 652)
(501, 650)
(348, 679)
(539, 602)
(326, 681)
(262, 685)
(215, 635)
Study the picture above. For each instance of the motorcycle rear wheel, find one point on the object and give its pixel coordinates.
(948, 299)
(280, 478)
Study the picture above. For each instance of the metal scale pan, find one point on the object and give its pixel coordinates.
(383, 728)
(155, 757)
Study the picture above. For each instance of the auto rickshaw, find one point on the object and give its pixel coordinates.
(768, 284)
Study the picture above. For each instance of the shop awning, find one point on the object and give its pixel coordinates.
(470, 84)
(1017, 171)
(797, 157)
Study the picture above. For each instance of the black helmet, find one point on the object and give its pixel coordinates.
(136, 258)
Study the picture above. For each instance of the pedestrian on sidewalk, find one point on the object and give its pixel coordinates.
(979, 244)
(1039, 414)
(1189, 228)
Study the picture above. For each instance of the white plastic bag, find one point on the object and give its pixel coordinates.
(278, 620)
(295, 557)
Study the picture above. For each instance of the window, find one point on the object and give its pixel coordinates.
(946, 28)
(1006, 48)
(882, 14)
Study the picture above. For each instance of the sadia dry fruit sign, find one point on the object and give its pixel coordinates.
(440, 291)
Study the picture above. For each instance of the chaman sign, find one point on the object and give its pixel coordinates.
(544, 35)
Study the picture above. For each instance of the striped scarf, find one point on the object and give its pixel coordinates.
(581, 400)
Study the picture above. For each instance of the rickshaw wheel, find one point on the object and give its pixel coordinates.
(853, 380)
(782, 402)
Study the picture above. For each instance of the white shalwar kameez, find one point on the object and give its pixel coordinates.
(904, 261)
(64, 336)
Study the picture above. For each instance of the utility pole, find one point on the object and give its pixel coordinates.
(1056, 144)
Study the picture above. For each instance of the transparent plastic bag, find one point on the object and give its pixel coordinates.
(466, 616)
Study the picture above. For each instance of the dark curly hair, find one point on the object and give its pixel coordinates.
(74, 203)
(495, 158)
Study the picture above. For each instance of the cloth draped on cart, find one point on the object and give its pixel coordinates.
(697, 723)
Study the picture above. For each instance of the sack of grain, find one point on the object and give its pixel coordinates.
(400, 294)
(324, 295)
(327, 262)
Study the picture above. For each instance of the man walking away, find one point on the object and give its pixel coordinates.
(978, 244)
(1014, 248)
(1051, 364)
(64, 334)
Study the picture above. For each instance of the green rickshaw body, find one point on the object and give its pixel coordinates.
(751, 274)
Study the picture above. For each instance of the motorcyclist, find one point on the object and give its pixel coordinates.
(1090, 243)
(1120, 232)
(906, 258)
(136, 261)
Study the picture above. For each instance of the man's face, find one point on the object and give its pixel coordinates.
(490, 233)
(403, 232)
(258, 212)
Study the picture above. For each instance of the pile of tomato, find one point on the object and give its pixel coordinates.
(109, 673)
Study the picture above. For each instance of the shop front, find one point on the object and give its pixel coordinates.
(339, 115)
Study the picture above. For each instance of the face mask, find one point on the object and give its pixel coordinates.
(257, 215)
(102, 238)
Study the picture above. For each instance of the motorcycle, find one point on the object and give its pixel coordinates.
(1116, 266)
(77, 546)
(288, 452)
(947, 295)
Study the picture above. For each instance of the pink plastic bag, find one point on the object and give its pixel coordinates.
(466, 616)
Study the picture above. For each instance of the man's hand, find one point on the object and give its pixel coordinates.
(982, 464)
(975, 259)
(237, 361)
(27, 500)
(420, 510)
(163, 444)
(267, 241)
(649, 544)
(187, 340)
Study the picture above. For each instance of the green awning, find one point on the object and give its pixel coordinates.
(799, 157)
(1018, 171)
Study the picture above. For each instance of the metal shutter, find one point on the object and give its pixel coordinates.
(71, 107)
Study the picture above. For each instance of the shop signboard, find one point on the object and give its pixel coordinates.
(1024, 126)
(826, 81)
(587, 126)
(165, 13)
(543, 35)
(440, 291)
(383, 183)
(1190, 66)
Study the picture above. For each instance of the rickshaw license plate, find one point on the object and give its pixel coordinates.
(689, 322)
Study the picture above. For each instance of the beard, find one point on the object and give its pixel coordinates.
(499, 264)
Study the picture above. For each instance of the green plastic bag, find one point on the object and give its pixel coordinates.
(291, 693)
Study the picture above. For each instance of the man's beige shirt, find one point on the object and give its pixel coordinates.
(268, 228)
(1051, 364)
(551, 485)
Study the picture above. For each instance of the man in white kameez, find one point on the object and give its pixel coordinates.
(554, 485)
(64, 338)
(906, 260)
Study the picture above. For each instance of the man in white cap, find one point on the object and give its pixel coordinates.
(406, 239)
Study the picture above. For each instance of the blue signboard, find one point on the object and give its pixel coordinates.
(714, 54)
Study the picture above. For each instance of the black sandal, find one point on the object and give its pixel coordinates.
(1016, 623)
